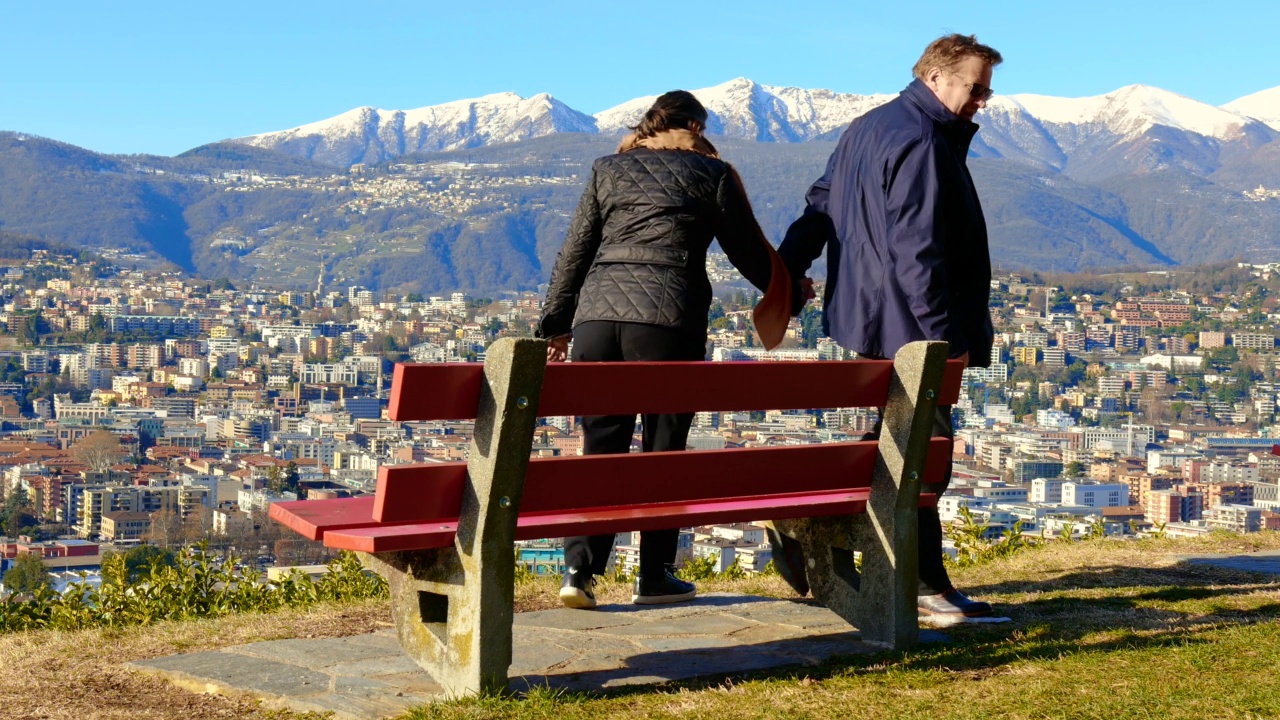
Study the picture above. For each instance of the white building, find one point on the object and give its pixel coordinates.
(1173, 363)
(324, 373)
(1169, 458)
(1055, 419)
(1229, 473)
(1046, 490)
(196, 367)
(1095, 495)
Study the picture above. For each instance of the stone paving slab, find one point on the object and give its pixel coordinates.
(368, 676)
(1265, 562)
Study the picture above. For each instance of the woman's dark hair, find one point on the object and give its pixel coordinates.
(672, 110)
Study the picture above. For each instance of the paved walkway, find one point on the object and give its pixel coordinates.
(1266, 562)
(368, 676)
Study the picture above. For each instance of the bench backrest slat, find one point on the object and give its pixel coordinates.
(433, 491)
(438, 391)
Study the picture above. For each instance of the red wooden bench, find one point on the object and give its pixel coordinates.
(442, 533)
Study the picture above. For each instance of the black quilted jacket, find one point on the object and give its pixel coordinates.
(637, 245)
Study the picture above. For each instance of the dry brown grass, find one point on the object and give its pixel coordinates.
(80, 675)
(540, 594)
(1156, 630)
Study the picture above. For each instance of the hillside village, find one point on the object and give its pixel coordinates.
(141, 407)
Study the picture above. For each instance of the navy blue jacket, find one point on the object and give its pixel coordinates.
(906, 242)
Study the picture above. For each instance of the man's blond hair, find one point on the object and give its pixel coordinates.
(949, 50)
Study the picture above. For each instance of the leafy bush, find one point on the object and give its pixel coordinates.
(701, 568)
(622, 575)
(973, 547)
(27, 575)
(196, 586)
(734, 571)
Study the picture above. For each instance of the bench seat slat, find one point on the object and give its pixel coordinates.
(431, 493)
(312, 518)
(440, 534)
(413, 493)
(612, 519)
(444, 391)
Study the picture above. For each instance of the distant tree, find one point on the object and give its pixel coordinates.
(1154, 405)
(99, 450)
(1073, 469)
(18, 516)
(1222, 358)
(98, 330)
(138, 561)
(275, 480)
(29, 329)
(27, 575)
(197, 526)
(166, 529)
(1071, 375)
(810, 326)
(1193, 384)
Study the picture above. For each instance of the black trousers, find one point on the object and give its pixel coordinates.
(933, 573)
(606, 341)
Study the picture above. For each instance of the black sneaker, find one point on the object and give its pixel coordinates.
(577, 590)
(667, 589)
(952, 603)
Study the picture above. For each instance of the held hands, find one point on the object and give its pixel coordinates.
(806, 288)
(558, 348)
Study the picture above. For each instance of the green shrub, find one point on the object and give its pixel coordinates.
(734, 571)
(621, 574)
(698, 569)
(197, 585)
(973, 547)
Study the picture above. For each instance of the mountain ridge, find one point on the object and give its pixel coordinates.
(476, 194)
(745, 109)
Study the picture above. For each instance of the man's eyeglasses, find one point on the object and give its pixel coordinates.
(978, 91)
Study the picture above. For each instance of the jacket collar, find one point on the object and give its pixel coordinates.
(956, 128)
(674, 139)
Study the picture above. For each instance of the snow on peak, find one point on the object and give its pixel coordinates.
(744, 108)
(1130, 111)
(367, 134)
(1263, 106)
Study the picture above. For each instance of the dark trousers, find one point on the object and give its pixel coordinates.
(933, 573)
(605, 341)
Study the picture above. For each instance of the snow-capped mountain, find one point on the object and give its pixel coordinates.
(368, 134)
(1131, 111)
(1264, 106)
(745, 109)
(1135, 128)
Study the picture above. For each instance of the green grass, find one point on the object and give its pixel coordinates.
(1100, 630)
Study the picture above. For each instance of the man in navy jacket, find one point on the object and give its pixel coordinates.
(906, 243)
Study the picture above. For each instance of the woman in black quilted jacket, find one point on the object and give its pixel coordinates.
(630, 284)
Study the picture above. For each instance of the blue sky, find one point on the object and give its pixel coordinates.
(161, 78)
